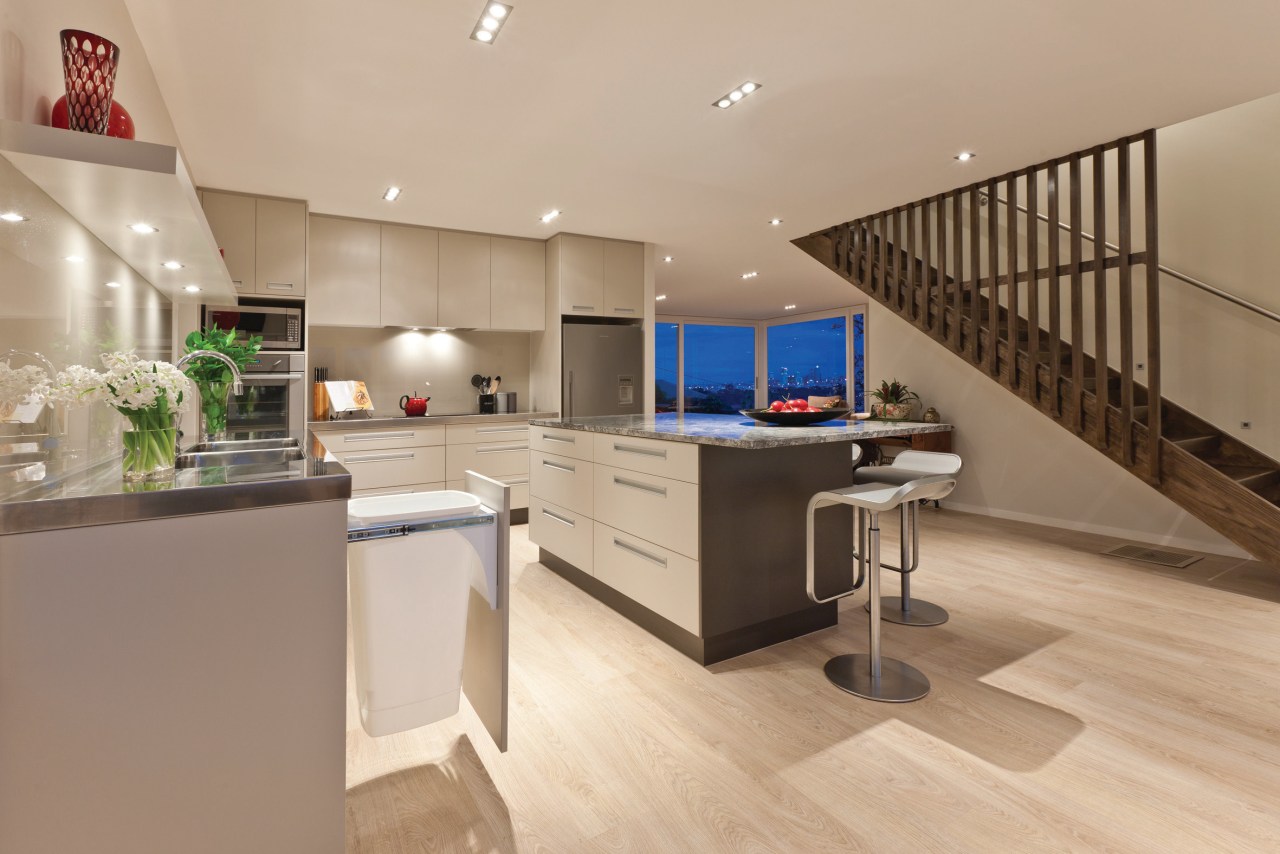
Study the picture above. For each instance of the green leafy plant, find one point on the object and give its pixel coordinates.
(212, 377)
(894, 392)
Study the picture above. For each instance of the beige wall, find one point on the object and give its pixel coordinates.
(394, 362)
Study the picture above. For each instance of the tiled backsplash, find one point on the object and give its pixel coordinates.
(394, 362)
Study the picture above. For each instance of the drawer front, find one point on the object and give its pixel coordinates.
(400, 490)
(561, 480)
(663, 581)
(519, 484)
(491, 458)
(564, 533)
(657, 509)
(395, 467)
(380, 440)
(564, 443)
(502, 431)
(678, 460)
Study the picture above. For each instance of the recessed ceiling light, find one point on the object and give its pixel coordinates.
(74, 259)
(490, 24)
(667, 259)
(726, 101)
(143, 228)
(965, 155)
(547, 217)
(192, 289)
(660, 297)
(172, 265)
(750, 275)
(775, 221)
(13, 217)
(788, 307)
(391, 194)
(113, 284)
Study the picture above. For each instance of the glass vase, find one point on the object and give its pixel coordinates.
(149, 454)
(213, 410)
(89, 65)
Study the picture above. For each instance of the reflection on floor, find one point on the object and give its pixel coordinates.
(1080, 702)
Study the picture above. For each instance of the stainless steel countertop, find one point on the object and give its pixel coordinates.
(99, 496)
(738, 431)
(392, 422)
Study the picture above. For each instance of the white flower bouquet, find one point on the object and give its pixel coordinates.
(20, 387)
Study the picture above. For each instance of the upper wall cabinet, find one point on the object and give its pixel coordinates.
(345, 272)
(518, 290)
(410, 276)
(465, 271)
(599, 277)
(263, 241)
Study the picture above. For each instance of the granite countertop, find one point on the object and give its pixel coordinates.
(396, 421)
(60, 494)
(738, 431)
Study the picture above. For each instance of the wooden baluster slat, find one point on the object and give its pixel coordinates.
(1154, 400)
(1011, 268)
(1101, 375)
(882, 257)
(975, 274)
(1077, 294)
(940, 329)
(1032, 385)
(957, 268)
(926, 268)
(895, 261)
(857, 252)
(1126, 306)
(911, 299)
(993, 273)
(1055, 297)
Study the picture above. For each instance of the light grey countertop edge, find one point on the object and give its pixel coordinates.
(402, 421)
(707, 430)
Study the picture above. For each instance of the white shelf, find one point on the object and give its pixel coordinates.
(107, 184)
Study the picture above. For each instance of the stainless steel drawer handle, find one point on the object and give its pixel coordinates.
(558, 518)
(280, 286)
(643, 487)
(629, 310)
(632, 449)
(371, 437)
(378, 458)
(551, 438)
(640, 553)
(504, 430)
(558, 467)
(584, 308)
(502, 449)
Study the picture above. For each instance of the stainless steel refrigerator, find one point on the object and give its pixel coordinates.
(603, 370)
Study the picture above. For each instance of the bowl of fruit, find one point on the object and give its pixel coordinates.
(795, 413)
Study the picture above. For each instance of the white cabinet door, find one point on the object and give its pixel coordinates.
(410, 275)
(623, 279)
(233, 220)
(344, 273)
(518, 293)
(581, 275)
(464, 280)
(282, 248)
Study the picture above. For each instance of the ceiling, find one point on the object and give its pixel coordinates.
(603, 110)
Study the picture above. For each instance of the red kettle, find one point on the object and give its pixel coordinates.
(414, 405)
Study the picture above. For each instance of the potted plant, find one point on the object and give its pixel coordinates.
(213, 378)
(896, 401)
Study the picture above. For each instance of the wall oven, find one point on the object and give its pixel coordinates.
(274, 401)
(280, 326)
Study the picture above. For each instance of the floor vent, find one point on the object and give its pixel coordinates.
(1151, 555)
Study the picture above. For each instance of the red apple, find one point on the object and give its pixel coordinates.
(777, 405)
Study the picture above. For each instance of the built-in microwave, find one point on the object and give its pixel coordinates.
(279, 326)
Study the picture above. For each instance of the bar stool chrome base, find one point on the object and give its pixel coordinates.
(899, 682)
(922, 613)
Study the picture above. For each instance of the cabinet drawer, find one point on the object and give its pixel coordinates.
(562, 532)
(663, 581)
(565, 443)
(677, 460)
(381, 440)
(519, 484)
(400, 490)
(657, 509)
(561, 480)
(502, 431)
(490, 458)
(395, 467)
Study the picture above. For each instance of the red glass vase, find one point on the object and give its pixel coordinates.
(89, 62)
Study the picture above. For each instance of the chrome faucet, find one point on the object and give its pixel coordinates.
(237, 386)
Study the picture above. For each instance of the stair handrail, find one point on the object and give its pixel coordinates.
(1168, 271)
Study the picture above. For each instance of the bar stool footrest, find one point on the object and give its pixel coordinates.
(899, 682)
(922, 613)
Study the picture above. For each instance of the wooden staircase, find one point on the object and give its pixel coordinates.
(1018, 309)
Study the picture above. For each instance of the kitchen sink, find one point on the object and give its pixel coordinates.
(250, 452)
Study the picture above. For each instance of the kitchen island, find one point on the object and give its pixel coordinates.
(693, 526)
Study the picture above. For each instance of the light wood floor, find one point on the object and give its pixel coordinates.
(1080, 703)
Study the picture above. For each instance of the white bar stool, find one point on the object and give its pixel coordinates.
(908, 466)
(871, 676)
